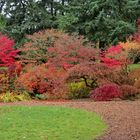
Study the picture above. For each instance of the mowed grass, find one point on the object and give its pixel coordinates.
(134, 66)
(48, 123)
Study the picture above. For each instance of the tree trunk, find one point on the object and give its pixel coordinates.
(52, 7)
(138, 24)
(63, 3)
(101, 44)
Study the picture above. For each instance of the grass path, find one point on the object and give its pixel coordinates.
(133, 66)
(123, 117)
(48, 123)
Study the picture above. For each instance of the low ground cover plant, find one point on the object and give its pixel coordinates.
(106, 93)
(14, 96)
(78, 90)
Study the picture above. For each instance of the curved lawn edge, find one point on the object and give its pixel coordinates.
(71, 122)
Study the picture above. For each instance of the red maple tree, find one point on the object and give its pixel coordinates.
(114, 56)
(7, 53)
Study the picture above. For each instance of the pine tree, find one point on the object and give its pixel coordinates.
(103, 21)
(28, 16)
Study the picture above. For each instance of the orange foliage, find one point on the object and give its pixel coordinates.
(135, 74)
(42, 80)
(132, 49)
(130, 92)
(4, 82)
(127, 46)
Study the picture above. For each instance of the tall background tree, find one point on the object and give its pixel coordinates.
(101, 21)
(25, 17)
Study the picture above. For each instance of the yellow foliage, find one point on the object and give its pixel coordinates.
(129, 45)
(14, 97)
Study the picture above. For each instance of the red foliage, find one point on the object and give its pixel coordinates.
(32, 81)
(15, 69)
(91, 73)
(106, 93)
(7, 53)
(69, 51)
(114, 56)
(52, 53)
(99, 74)
(58, 49)
(138, 22)
(137, 37)
(67, 55)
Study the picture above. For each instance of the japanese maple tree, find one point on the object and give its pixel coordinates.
(65, 55)
(114, 56)
(58, 49)
(7, 53)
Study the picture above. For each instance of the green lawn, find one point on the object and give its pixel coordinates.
(48, 123)
(134, 66)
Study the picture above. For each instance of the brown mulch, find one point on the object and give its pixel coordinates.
(123, 117)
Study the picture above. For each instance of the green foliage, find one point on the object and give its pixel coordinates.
(3, 68)
(49, 122)
(78, 90)
(106, 22)
(40, 97)
(2, 23)
(36, 47)
(66, 21)
(25, 17)
(102, 21)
